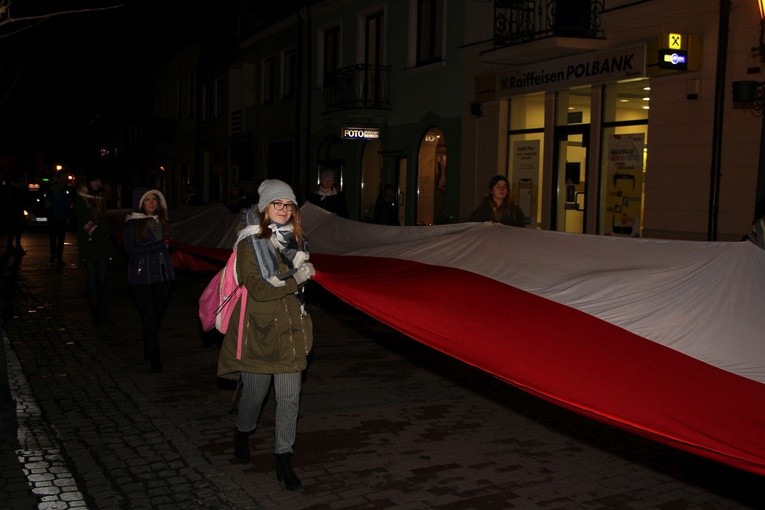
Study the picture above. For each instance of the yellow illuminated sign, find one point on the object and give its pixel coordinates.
(675, 41)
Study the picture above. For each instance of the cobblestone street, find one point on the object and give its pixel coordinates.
(384, 422)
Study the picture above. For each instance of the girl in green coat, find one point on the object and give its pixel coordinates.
(272, 263)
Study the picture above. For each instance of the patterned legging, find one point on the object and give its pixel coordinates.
(287, 389)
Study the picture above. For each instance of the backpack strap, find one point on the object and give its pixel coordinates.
(242, 313)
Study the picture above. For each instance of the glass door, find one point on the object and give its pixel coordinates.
(570, 176)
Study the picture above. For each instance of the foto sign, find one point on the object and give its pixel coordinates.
(356, 133)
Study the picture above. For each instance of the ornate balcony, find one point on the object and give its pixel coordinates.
(358, 86)
(526, 30)
(520, 21)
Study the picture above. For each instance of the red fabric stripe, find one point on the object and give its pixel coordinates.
(199, 258)
(560, 354)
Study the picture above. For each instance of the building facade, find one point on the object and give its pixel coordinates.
(621, 122)
(607, 117)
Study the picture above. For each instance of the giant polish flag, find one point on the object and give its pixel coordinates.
(665, 339)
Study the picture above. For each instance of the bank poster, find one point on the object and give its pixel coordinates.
(624, 187)
(525, 175)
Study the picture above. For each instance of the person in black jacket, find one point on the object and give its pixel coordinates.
(386, 207)
(94, 243)
(16, 202)
(328, 196)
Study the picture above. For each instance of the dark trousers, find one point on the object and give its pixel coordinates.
(57, 234)
(94, 285)
(15, 229)
(151, 301)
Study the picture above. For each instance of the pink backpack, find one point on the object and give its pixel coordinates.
(219, 299)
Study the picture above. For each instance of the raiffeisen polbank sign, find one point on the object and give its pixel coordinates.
(611, 66)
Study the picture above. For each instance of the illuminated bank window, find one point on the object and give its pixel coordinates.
(574, 106)
(627, 101)
(526, 139)
(527, 112)
(624, 145)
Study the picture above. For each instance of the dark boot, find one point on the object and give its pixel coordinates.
(241, 446)
(156, 362)
(284, 473)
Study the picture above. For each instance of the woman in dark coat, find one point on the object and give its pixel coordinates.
(497, 205)
(150, 271)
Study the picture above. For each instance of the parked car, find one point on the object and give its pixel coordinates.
(36, 210)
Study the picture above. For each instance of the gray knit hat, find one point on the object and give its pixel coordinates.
(274, 189)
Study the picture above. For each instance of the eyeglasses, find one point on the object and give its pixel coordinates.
(278, 206)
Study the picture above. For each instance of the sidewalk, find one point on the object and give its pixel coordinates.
(384, 422)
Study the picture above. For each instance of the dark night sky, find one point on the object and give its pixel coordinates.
(57, 73)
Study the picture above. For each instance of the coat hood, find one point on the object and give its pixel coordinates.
(140, 194)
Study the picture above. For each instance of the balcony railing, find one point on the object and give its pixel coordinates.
(359, 86)
(523, 21)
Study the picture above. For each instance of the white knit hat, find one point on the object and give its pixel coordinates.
(160, 199)
(274, 189)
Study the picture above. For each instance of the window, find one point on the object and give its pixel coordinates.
(179, 95)
(218, 98)
(331, 58)
(289, 73)
(430, 14)
(269, 80)
(373, 87)
(191, 96)
(206, 102)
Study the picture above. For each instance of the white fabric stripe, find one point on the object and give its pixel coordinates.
(704, 299)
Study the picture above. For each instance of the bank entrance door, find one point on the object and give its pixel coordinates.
(570, 176)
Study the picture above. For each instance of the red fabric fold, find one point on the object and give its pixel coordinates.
(560, 354)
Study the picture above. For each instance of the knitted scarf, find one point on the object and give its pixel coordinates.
(154, 226)
(281, 243)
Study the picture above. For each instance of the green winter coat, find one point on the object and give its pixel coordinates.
(278, 335)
